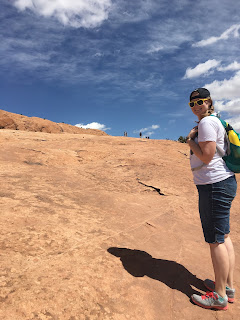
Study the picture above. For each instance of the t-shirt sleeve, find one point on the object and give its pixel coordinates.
(207, 130)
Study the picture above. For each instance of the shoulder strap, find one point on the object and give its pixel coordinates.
(218, 150)
(227, 127)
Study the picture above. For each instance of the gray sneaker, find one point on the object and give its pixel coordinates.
(210, 285)
(211, 300)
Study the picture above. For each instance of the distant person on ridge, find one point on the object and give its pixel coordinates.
(217, 187)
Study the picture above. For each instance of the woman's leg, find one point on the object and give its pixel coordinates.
(222, 253)
(231, 257)
(223, 260)
(220, 261)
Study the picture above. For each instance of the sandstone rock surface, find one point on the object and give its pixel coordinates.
(15, 121)
(101, 227)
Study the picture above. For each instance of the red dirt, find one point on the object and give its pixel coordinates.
(101, 227)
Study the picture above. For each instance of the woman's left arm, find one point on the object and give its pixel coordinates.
(204, 150)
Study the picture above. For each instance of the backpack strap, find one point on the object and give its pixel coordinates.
(227, 127)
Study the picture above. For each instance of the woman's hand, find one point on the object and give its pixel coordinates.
(192, 134)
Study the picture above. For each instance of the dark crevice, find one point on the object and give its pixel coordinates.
(156, 189)
(183, 153)
(33, 163)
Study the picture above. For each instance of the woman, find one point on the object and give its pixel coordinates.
(217, 187)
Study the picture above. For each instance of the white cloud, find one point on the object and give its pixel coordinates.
(134, 11)
(93, 125)
(98, 54)
(231, 67)
(227, 96)
(148, 131)
(228, 89)
(233, 30)
(201, 69)
(165, 36)
(235, 122)
(232, 107)
(153, 127)
(74, 13)
(155, 48)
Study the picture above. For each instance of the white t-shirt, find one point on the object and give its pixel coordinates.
(211, 129)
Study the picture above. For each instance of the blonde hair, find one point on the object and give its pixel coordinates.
(210, 109)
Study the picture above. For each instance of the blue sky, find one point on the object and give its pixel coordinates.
(120, 65)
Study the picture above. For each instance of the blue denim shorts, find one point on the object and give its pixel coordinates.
(215, 201)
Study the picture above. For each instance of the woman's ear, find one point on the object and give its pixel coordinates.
(209, 102)
(210, 107)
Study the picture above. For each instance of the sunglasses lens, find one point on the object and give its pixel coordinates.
(200, 102)
(191, 104)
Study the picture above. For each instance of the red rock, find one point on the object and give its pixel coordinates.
(15, 121)
(101, 228)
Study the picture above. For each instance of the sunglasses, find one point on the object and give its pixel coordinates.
(198, 102)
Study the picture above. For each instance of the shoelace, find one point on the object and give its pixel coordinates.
(209, 295)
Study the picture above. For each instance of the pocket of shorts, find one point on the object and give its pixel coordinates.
(230, 186)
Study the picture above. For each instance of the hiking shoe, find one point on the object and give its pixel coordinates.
(211, 300)
(210, 285)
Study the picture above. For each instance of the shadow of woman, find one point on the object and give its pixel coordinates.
(139, 264)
